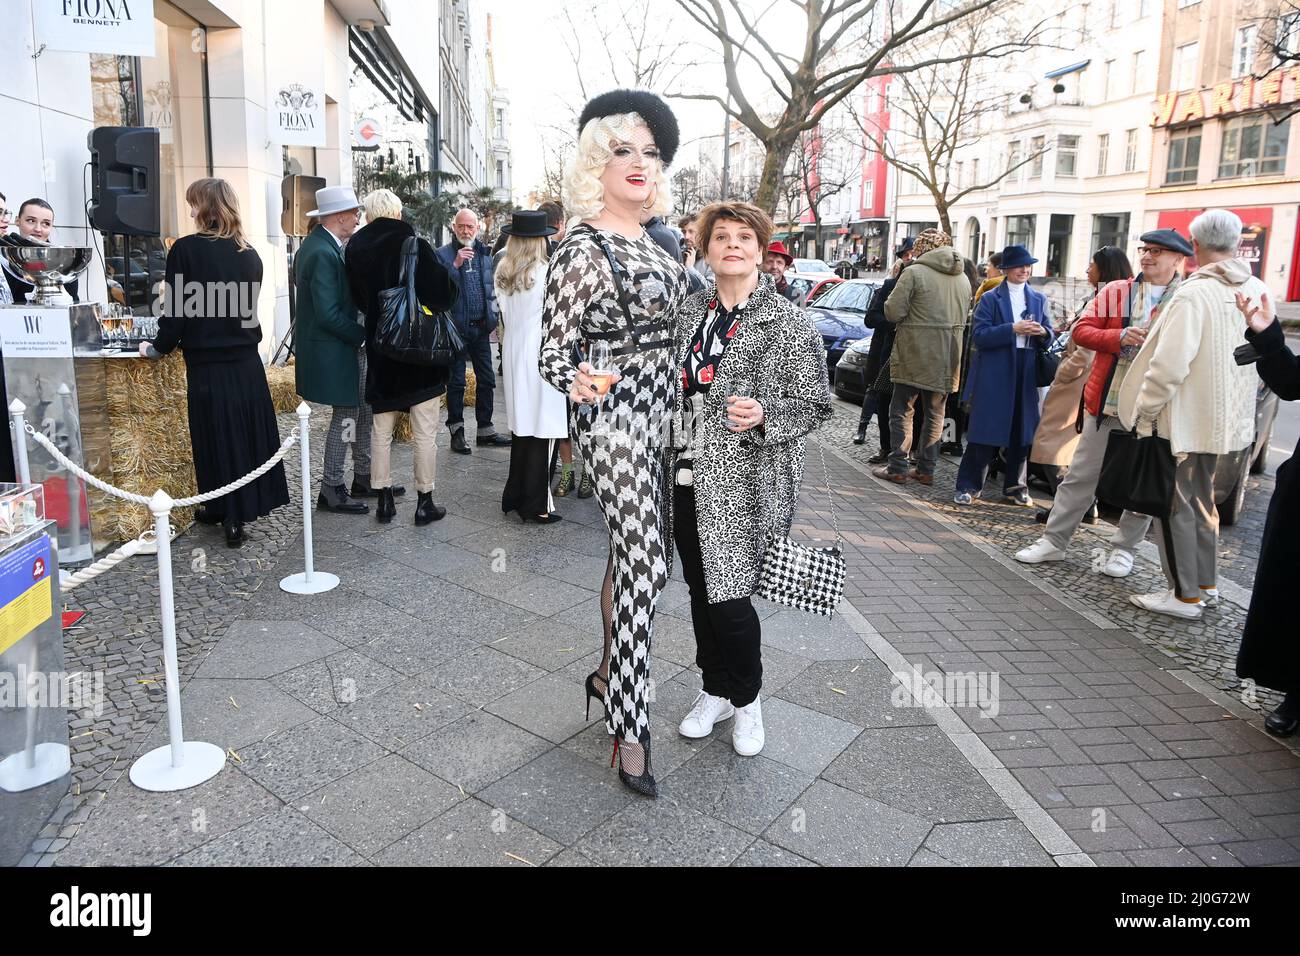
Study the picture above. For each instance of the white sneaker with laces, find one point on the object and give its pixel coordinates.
(1040, 551)
(1119, 564)
(747, 734)
(708, 710)
(962, 498)
(1209, 596)
(1166, 602)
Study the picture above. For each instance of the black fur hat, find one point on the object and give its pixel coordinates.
(656, 113)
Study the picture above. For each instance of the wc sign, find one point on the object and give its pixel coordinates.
(124, 27)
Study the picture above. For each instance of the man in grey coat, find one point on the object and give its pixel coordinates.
(929, 306)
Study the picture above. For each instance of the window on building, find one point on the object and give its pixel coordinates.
(1253, 146)
(1103, 153)
(1115, 14)
(1184, 156)
(1287, 36)
(868, 194)
(1013, 158)
(1110, 229)
(1144, 9)
(1136, 78)
(1243, 50)
(961, 174)
(1067, 155)
(1020, 231)
(1184, 70)
(1107, 80)
(975, 172)
(1036, 151)
(1130, 151)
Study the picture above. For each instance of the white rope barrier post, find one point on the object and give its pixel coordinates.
(310, 581)
(16, 410)
(178, 765)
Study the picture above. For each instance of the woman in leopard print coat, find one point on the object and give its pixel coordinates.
(740, 456)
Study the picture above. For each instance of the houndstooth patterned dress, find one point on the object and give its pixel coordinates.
(626, 448)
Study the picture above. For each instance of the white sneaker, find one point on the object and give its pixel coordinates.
(747, 735)
(1209, 596)
(1119, 564)
(1040, 551)
(1166, 602)
(708, 710)
(963, 498)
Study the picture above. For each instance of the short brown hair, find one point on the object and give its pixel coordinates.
(745, 212)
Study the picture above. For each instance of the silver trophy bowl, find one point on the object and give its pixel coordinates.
(47, 268)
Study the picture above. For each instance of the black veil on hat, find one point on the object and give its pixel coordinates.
(651, 108)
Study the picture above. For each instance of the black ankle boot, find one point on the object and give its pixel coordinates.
(234, 533)
(1285, 721)
(861, 436)
(426, 511)
(385, 507)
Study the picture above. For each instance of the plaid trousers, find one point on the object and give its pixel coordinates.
(359, 416)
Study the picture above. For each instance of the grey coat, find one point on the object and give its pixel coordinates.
(748, 482)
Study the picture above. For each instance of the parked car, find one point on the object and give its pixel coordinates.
(810, 286)
(850, 382)
(838, 315)
(809, 265)
(1232, 471)
(846, 269)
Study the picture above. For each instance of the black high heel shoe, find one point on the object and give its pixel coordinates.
(234, 533)
(643, 784)
(590, 686)
(540, 519)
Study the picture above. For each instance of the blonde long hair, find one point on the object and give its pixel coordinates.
(217, 209)
(584, 194)
(514, 272)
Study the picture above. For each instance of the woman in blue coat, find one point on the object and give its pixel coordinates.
(1010, 326)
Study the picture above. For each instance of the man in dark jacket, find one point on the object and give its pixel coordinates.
(475, 313)
(327, 343)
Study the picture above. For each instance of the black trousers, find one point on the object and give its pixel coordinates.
(877, 405)
(528, 484)
(727, 634)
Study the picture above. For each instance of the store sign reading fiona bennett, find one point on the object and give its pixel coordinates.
(124, 27)
(1233, 96)
(295, 78)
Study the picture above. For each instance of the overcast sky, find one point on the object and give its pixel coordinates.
(532, 62)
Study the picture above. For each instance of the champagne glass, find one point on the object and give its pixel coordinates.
(736, 390)
(601, 359)
(127, 323)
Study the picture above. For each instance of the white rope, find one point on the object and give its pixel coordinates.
(90, 479)
(131, 548)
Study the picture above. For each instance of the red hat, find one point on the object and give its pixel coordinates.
(779, 248)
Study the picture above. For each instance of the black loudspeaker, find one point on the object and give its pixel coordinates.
(298, 194)
(125, 184)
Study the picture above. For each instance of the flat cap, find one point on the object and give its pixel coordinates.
(1168, 239)
(656, 113)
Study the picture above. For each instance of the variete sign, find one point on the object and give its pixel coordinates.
(1233, 96)
(124, 27)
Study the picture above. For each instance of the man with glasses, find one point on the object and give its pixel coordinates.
(328, 346)
(475, 313)
(1114, 325)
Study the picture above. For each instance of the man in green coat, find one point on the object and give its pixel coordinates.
(327, 343)
(928, 306)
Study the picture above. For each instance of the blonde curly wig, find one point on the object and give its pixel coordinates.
(584, 194)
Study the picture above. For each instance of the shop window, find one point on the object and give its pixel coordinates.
(1184, 156)
(1020, 231)
(1110, 229)
(167, 91)
(1253, 146)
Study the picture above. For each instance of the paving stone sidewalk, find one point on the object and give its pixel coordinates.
(430, 711)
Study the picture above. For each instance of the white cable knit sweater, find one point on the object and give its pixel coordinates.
(1184, 377)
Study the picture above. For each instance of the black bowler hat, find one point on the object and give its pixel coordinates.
(1168, 239)
(529, 224)
(905, 246)
(1013, 256)
(656, 113)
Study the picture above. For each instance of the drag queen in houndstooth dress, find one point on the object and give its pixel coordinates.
(609, 280)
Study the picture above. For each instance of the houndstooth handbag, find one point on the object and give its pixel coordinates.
(810, 579)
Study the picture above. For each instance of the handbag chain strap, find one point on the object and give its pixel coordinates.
(830, 498)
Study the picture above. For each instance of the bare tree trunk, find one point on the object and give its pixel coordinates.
(769, 184)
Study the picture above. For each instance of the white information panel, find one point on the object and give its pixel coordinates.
(44, 332)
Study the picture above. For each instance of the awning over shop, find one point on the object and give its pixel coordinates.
(1072, 68)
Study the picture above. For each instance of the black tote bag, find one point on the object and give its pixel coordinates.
(1138, 474)
(408, 333)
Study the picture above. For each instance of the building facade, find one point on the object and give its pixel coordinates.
(211, 88)
(1222, 127)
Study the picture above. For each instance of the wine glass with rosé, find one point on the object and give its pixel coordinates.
(602, 373)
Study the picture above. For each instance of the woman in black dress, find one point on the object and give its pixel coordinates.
(211, 286)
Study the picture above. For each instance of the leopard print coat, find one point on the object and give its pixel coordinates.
(749, 482)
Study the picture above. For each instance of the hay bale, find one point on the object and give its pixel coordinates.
(284, 391)
(471, 389)
(402, 432)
